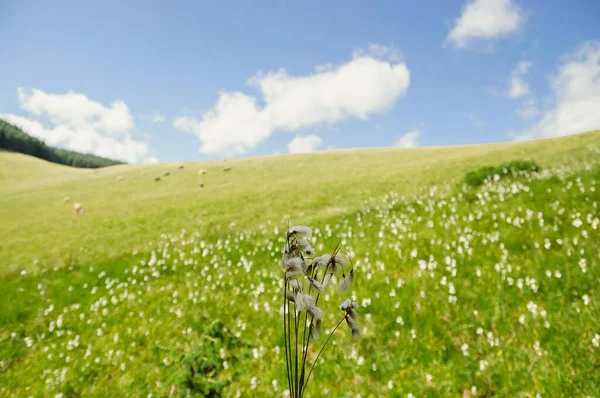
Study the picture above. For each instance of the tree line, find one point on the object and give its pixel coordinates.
(13, 138)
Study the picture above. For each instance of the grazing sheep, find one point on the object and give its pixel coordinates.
(66, 199)
(119, 178)
(227, 169)
(181, 167)
(77, 208)
(202, 171)
(167, 174)
(201, 185)
(157, 179)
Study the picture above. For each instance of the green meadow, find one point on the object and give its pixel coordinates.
(172, 287)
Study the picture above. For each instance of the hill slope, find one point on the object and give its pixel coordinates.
(169, 289)
(35, 223)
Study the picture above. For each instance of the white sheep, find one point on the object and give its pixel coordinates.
(66, 199)
(77, 208)
(119, 178)
(227, 169)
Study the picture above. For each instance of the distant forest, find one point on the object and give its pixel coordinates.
(12, 138)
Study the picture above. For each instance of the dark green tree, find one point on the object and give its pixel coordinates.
(13, 138)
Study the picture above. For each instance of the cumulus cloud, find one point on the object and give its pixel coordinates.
(75, 122)
(517, 85)
(409, 140)
(356, 89)
(75, 110)
(235, 124)
(485, 19)
(576, 96)
(303, 144)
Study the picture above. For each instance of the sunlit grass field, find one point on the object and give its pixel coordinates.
(167, 288)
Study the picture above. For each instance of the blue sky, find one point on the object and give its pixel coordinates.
(143, 82)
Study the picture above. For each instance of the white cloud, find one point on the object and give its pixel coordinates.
(303, 144)
(76, 111)
(485, 19)
(528, 109)
(409, 140)
(158, 118)
(80, 124)
(354, 90)
(517, 86)
(380, 51)
(231, 127)
(576, 96)
(324, 68)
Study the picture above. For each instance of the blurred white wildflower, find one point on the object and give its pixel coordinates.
(482, 365)
(586, 299)
(465, 349)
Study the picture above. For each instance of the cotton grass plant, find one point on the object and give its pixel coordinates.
(306, 276)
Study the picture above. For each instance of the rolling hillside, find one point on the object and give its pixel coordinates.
(169, 288)
(121, 215)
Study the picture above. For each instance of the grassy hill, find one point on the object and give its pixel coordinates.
(457, 295)
(122, 215)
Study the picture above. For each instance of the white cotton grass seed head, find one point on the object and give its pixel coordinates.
(329, 262)
(315, 331)
(339, 258)
(357, 333)
(348, 303)
(320, 286)
(315, 311)
(299, 231)
(294, 284)
(350, 307)
(301, 246)
(322, 260)
(290, 296)
(354, 328)
(294, 267)
(304, 283)
(301, 301)
(346, 281)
